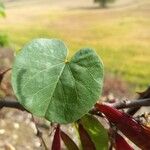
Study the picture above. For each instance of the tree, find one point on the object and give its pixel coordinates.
(103, 3)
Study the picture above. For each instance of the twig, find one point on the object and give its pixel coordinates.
(17, 105)
(2, 74)
(96, 112)
(39, 134)
(124, 105)
(118, 105)
(142, 95)
(132, 104)
(11, 104)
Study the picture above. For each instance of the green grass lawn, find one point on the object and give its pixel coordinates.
(120, 36)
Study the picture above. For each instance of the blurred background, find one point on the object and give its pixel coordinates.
(119, 31)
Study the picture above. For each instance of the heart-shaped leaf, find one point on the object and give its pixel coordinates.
(47, 85)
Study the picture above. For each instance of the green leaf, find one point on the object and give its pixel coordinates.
(49, 86)
(96, 131)
(86, 142)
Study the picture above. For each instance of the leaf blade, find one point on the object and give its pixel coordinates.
(127, 125)
(44, 82)
(121, 144)
(56, 145)
(96, 131)
(70, 144)
(87, 143)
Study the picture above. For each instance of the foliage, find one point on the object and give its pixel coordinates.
(56, 145)
(121, 142)
(95, 130)
(127, 125)
(70, 144)
(77, 87)
(103, 3)
(42, 71)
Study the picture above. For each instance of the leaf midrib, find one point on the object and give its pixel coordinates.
(54, 89)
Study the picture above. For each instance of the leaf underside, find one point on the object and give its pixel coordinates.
(49, 86)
